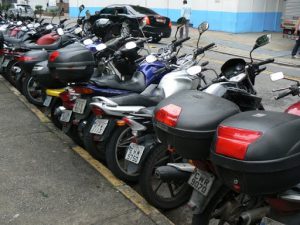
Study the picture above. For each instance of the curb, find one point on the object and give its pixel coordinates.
(154, 214)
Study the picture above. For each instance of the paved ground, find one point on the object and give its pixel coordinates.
(44, 182)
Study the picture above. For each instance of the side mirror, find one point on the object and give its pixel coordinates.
(36, 25)
(262, 40)
(151, 59)
(19, 23)
(88, 42)
(81, 8)
(60, 31)
(130, 45)
(277, 76)
(101, 47)
(23, 28)
(194, 70)
(238, 78)
(78, 30)
(87, 14)
(181, 21)
(203, 27)
(30, 25)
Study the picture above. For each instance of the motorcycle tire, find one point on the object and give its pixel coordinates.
(55, 118)
(95, 148)
(32, 91)
(116, 151)
(19, 83)
(159, 156)
(10, 73)
(73, 134)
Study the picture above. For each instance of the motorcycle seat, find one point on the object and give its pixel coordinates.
(136, 84)
(56, 45)
(12, 40)
(136, 99)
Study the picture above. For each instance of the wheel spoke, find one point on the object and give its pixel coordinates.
(171, 189)
(158, 186)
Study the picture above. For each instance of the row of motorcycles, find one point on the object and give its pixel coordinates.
(159, 120)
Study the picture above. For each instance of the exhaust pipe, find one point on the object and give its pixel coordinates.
(254, 215)
(170, 173)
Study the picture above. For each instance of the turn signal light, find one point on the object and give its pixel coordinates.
(83, 90)
(97, 111)
(53, 56)
(168, 115)
(234, 142)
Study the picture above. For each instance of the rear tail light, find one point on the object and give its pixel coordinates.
(170, 24)
(25, 58)
(97, 111)
(146, 20)
(234, 142)
(53, 56)
(168, 115)
(283, 206)
(83, 90)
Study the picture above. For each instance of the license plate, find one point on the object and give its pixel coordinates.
(160, 20)
(201, 181)
(134, 153)
(79, 106)
(268, 221)
(5, 63)
(99, 126)
(66, 116)
(47, 101)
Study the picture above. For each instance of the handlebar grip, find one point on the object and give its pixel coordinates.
(179, 42)
(204, 64)
(207, 47)
(281, 95)
(265, 62)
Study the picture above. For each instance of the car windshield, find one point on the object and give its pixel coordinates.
(143, 10)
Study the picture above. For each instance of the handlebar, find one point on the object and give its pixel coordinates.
(267, 61)
(281, 95)
(179, 42)
(202, 50)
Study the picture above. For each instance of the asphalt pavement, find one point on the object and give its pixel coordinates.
(44, 182)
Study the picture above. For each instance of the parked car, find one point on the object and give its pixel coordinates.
(129, 17)
(20, 10)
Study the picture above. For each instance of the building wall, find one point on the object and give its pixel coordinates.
(234, 16)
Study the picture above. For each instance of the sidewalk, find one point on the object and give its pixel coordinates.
(241, 44)
(43, 181)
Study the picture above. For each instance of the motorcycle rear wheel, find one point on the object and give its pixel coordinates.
(155, 190)
(32, 90)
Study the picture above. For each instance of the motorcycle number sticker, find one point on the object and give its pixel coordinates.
(5, 63)
(268, 221)
(134, 153)
(201, 181)
(66, 116)
(47, 101)
(79, 105)
(99, 126)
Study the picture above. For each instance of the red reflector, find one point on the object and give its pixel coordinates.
(127, 121)
(53, 56)
(233, 142)
(83, 90)
(25, 58)
(168, 115)
(65, 96)
(170, 24)
(97, 111)
(146, 20)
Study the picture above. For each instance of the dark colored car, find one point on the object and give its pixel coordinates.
(129, 17)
